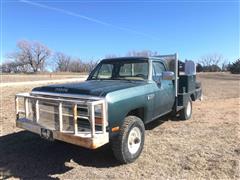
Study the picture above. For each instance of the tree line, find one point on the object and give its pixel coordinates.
(36, 57)
(211, 63)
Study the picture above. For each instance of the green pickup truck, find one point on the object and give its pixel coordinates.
(113, 105)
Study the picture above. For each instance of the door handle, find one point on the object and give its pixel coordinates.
(150, 96)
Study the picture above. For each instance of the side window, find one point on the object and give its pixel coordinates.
(105, 72)
(158, 68)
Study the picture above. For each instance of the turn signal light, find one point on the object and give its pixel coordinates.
(98, 120)
(115, 129)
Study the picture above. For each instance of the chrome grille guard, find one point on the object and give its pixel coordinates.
(29, 116)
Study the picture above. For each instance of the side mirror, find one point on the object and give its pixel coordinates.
(168, 75)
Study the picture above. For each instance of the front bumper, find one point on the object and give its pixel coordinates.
(81, 139)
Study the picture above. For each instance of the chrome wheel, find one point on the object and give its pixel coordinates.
(134, 140)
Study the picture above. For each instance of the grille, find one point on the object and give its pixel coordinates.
(49, 116)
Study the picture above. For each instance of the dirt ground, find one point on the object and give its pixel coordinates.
(207, 146)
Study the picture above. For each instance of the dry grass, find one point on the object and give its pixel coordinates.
(207, 146)
(37, 77)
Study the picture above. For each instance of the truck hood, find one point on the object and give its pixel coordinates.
(92, 87)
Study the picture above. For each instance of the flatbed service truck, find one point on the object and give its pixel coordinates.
(113, 105)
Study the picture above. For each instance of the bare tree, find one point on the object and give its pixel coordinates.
(14, 67)
(6, 67)
(111, 56)
(67, 63)
(133, 53)
(76, 65)
(225, 65)
(211, 62)
(211, 59)
(91, 65)
(33, 53)
(144, 53)
(62, 62)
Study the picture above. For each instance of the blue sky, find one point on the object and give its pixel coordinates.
(93, 29)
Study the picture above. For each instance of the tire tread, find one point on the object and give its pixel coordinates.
(117, 147)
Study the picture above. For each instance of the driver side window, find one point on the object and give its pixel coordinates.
(158, 68)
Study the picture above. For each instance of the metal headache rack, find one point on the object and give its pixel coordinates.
(72, 118)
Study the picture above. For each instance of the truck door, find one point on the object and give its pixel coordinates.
(164, 91)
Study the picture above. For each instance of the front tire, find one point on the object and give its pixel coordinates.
(186, 112)
(128, 145)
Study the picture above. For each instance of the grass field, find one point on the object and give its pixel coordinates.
(9, 78)
(207, 146)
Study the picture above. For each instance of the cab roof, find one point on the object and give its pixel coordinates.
(130, 59)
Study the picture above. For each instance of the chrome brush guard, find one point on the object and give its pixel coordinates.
(76, 119)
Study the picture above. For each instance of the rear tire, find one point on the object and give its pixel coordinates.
(128, 145)
(186, 112)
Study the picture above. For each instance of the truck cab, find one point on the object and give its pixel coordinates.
(113, 105)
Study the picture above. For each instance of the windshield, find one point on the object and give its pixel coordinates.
(126, 70)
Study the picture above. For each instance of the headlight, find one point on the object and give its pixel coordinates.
(98, 114)
(98, 110)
